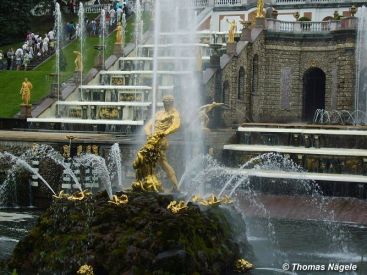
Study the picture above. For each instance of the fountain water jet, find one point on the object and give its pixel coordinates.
(26, 166)
(115, 158)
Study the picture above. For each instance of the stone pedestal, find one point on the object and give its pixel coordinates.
(231, 48)
(25, 111)
(260, 22)
(98, 61)
(118, 50)
(54, 90)
(246, 34)
(77, 77)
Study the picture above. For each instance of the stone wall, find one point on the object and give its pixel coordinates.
(276, 94)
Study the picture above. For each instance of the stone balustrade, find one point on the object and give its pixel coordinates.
(273, 25)
(228, 3)
(297, 2)
(200, 4)
(96, 8)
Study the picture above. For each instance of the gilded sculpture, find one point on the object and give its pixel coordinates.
(260, 9)
(231, 30)
(66, 151)
(118, 36)
(145, 163)
(165, 122)
(78, 61)
(25, 91)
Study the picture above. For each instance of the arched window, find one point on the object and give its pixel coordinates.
(255, 74)
(225, 94)
(241, 84)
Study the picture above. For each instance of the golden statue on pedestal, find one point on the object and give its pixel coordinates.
(260, 9)
(78, 61)
(118, 30)
(25, 91)
(165, 123)
(231, 31)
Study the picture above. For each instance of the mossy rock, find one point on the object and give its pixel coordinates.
(141, 237)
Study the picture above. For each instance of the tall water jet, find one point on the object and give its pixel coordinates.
(138, 27)
(361, 66)
(103, 36)
(175, 37)
(82, 38)
(157, 31)
(58, 37)
(115, 158)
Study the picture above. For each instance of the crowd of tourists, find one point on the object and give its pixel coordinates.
(35, 47)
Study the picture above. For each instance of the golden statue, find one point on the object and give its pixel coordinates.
(25, 91)
(243, 265)
(118, 30)
(78, 61)
(119, 200)
(164, 123)
(176, 206)
(66, 151)
(260, 9)
(203, 113)
(85, 270)
(95, 149)
(79, 150)
(231, 31)
(212, 200)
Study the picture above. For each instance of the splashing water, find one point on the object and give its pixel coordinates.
(100, 168)
(115, 159)
(26, 166)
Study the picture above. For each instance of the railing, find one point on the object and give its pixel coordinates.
(200, 4)
(292, 2)
(96, 8)
(311, 26)
(228, 3)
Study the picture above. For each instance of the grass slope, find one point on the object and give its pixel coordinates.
(10, 82)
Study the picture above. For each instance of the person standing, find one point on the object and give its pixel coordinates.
(10, 58)
(1, 60)
(18, 58)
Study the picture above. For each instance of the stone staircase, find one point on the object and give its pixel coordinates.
(333, 156)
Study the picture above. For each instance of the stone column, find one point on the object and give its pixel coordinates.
(118, 50)
(231, 48)
(246, 31)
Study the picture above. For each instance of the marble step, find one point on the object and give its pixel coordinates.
(297, 150)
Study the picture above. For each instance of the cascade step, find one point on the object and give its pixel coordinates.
(297, 150)
(304, 136)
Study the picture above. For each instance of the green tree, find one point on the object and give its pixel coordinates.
(15, 16)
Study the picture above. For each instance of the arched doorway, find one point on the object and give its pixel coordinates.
(313, 92)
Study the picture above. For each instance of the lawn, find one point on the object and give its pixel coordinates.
(10, 82)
